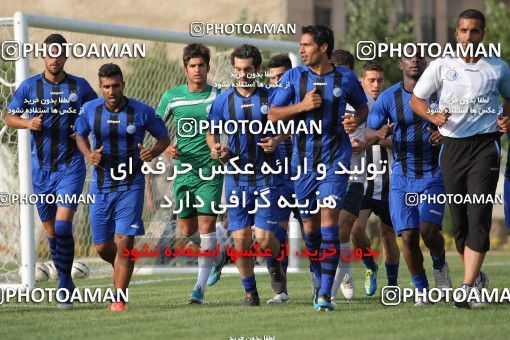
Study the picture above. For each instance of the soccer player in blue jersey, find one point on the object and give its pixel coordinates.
(471, 152)
(318, 92)
(53, 100)
(118, 125)
(415, 171)
(248, 102)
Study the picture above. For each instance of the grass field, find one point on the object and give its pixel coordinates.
(158, 310)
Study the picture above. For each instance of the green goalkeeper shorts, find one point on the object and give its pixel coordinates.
(209, 192)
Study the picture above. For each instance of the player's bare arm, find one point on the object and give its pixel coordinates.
(422, 109)
(148, 154)
(17, 122)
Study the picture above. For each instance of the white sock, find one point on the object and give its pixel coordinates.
(195, 238)
(344, 267)
(205, 262)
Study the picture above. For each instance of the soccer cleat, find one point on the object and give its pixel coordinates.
(278, 279)
(251, 300)
(278, 298)
(117, 307)
(464, 303)
(215, 274)
(65, 305)
(371, 282)
(347, 287)
(196, 297)
(324, 303)
(482, 281)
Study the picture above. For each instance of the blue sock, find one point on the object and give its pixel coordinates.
(369, 262)
(330, 239)
(392, 274)
(313, 243)
(438, 261)
(282, 236)
(64, 253)
(420, 281)
(249, 284)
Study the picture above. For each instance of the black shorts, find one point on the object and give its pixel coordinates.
(353, 198)
(471, 166)
(378, 207)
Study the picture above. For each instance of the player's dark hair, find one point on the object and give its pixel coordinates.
(280, 60)
(371, 65)
(246, 52)
(55, 38)
(342, 57)
(321, 35)
(196, 51)
(473, 14)
(110, 70)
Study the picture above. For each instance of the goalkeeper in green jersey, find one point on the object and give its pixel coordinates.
(182, 108)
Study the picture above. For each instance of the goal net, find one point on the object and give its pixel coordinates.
(146, 80)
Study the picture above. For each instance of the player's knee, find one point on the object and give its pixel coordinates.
(411, 241)
(103, 248)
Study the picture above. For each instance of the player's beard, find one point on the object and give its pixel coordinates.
(55, 71)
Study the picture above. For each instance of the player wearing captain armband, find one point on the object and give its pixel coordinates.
(53, 100)
(118, 125)
(183, 107)
(256, 193)
(318, 92)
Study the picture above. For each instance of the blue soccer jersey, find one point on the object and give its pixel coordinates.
(336, 88)
(52, 148)
(119, 133)
(414, 155)
(231, 106)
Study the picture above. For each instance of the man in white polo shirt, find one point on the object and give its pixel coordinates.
(470, 157)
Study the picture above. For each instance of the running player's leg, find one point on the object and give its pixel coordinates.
(482, 179)
(69, 185)
(239, 223)
(127, 207)
(266, 222)
(407, 225)
(389, 241)
(391, 252)
(431, 217)
(351, 206)
(360, 240)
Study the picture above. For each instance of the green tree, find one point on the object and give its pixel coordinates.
(148, 78)
(497, 30)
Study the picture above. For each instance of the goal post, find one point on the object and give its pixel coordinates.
(147, 80)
